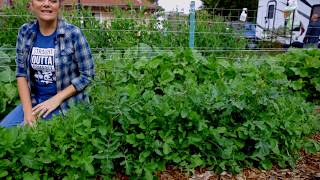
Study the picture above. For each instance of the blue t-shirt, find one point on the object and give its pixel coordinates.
(42, 65)
(313, 32)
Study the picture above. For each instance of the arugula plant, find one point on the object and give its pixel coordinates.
(302, 68)
(149, 110)
(8, 92)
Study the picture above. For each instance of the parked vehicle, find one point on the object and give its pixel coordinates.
(284, 21)
(246, 30)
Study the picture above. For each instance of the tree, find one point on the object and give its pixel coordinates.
(231, 8)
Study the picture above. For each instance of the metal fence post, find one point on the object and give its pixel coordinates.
(192, 24)
(79, 6)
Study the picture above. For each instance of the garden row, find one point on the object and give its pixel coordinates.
(175, 108)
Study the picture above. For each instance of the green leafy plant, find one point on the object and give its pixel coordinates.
(8, 91)
(302, 68)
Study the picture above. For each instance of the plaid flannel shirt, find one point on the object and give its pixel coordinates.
(73, 59)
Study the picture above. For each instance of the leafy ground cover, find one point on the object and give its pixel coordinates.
(308, 167)
(302, 67)
(151, 108)
(8, 90)
(177, 108)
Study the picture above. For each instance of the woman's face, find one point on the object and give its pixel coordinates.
(314, 17)
(45, 10)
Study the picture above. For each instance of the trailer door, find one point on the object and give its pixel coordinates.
(270, 16)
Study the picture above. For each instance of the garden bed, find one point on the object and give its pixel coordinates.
(307, 168)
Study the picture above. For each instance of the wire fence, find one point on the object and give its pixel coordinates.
(215, 33)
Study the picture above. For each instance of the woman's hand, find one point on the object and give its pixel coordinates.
(29, 119)
(45, 108)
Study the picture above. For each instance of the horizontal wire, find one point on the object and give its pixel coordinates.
(222, 50)
(219, 57)
(169, 49)
(142, 19)
(116, 53)
(2, 66)
(232, 9)
(204, 49)
(211, 50)
(123, 18)
(200, 23)
(160, 32)
(144, 45)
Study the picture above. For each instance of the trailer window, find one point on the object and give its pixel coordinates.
(270, 11)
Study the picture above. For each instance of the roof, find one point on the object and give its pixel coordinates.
(110, 3)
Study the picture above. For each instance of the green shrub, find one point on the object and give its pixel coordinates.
(175, 108)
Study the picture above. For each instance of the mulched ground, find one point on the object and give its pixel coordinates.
(307, 168)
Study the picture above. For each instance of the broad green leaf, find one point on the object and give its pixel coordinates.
(274, 146)
(184, 113)
(227, 152)
(316, 83)
(166, 77)
(312, 147)
(30, 162)
(4, 58)
(312, 62)
(30, 176)
(166, 148)
(116, 155)
(300, 72)
(7, 75)
(194, 139)
(103, 130)
(263, 149)
(89, 168)
(11, 91)
(297, 85)
(4, 162)
(148, 174)
(224, 63)
(141, 63)
(155, 62)
(132, 91)
(266, 164)
(140, 136)
(144, 155)
(3, 174)
(131, 139)
(196, 161)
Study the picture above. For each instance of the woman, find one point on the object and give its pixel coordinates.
(54, 65)
(311, 39)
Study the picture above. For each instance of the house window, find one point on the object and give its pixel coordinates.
(270, 11)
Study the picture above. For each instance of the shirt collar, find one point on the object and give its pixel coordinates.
(60, 28)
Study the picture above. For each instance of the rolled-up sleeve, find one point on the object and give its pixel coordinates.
(85, 62)
(21, 66)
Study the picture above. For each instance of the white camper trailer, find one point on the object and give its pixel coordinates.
(283, 20)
